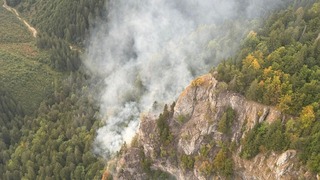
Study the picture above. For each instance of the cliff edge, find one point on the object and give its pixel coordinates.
(199, 137)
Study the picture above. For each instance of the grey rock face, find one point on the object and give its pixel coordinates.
(196, 116)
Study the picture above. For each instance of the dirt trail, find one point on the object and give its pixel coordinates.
(31, 29)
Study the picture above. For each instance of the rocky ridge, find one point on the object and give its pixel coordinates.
(194, 123)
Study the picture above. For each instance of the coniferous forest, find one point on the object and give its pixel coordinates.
(51, 136)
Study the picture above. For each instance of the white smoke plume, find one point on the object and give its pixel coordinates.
(149, 51)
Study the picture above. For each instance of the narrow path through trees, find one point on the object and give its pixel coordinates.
(31, 29)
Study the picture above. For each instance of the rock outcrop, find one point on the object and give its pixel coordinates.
(194, 124)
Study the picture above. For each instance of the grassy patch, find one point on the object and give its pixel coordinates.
(24, 70)
(12, 30)
(27, 80)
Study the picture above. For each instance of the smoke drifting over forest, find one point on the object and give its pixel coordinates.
(149, 51)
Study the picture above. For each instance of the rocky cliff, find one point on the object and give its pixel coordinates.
(192, 144)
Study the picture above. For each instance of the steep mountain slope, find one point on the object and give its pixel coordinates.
(258, 118)
(197, 147)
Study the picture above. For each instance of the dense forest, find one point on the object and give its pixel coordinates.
(279, 65)
(56, 141)
(49, 133)
(64, 27)
(68, 20)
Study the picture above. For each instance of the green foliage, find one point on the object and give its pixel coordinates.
(309, 147)
(62, 57)
(57, 141)
(264, 137)
(9, 107)
(187, 161)
(146, 163)
(182, 118)
(275, 138)
(24, 73)
(13, 2)
(253, 140)
(279, 65)
(254, 91)
(12, 30)
(54, 139)
(206, 168)
(26, 79)
(223, 163)
(61, 24)
(159, 175)
(167, 149)
(205, 157)
(205, 149)
(68, 20)
(225, 123)
(307, 117)
(11, 123)
(226, 71)
(163, 126)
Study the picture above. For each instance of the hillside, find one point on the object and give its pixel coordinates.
(280, 66)
(24, 70)
(69, 20)
(46, 110)
(256, 116)
(203, 135)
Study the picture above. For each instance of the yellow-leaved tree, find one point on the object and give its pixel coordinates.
(307, 116)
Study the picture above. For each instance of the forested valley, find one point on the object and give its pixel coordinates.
(48, 116)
